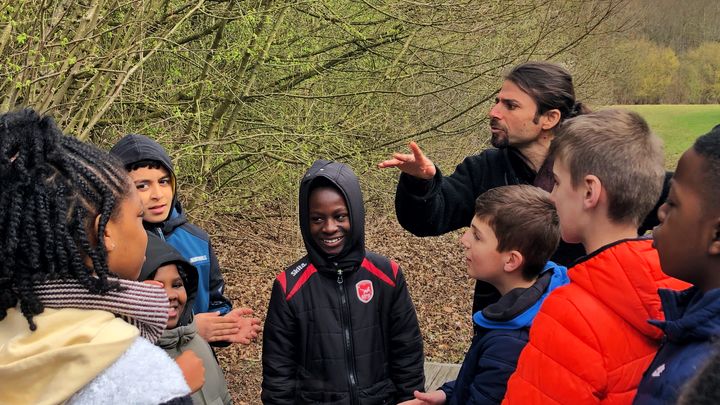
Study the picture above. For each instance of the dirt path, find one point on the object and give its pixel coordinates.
(254, 252)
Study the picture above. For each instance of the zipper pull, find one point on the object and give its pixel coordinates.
(340, 277)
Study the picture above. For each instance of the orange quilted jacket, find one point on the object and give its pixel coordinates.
(591, 342)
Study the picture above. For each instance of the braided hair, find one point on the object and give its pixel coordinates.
(52, 187)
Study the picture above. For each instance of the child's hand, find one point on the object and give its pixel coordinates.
(215, 328)
(248, 327)
(427, 398)
(192, 369)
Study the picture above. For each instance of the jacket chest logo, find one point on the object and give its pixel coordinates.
(658, 371)
(364, 290)
(196, 259)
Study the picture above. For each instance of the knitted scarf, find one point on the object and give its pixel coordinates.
(142, 305)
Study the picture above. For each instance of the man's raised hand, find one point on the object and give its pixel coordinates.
(415, 164)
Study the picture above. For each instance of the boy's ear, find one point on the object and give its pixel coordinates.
(592, 189)
(513, 261)
(550, 119)
(714, 248)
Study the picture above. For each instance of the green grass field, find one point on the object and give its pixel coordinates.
(678, 124)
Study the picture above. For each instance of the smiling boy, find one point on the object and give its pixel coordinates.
(166, 268)
(341, 327)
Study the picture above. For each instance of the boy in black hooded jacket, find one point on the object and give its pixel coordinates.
(341, 327)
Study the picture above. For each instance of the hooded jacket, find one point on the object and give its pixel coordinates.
(446, 203)
(691, 326)
(591, 342)
(192, 242)
(342, 329)
(501, 333)
(184, 336)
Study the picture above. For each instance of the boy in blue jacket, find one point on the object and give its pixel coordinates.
(514, 232)
(151, 170)
(688, 243)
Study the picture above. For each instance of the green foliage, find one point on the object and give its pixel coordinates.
(701, 73)
(647, 73)
(245, 95)
(650, 70)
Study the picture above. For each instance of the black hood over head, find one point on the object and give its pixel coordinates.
(342, 177)
(133, 148)
(159, 253)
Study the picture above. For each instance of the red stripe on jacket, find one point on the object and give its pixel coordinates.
(367, 264)
(395, 268)
(283, 281)
(303, 278)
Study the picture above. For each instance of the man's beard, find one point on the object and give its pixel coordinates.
(500, 142)
(498, 139)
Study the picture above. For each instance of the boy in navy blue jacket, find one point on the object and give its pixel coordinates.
(688, 243)
(514, 232)
(152, 173)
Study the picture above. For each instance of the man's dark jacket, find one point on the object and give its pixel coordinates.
(341, 329)
(447, 203)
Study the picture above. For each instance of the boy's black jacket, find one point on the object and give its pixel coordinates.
(348, 337)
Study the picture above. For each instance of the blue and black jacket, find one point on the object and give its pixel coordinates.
(692, 327)
(194, 244)
(501, 332)
(191, 241)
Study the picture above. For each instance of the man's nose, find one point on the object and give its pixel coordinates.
(495, 111)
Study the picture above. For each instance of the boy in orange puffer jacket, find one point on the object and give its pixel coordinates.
(591, 342)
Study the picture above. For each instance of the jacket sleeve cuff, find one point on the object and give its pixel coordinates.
(420, 188)
(222, 343)
(448, 389)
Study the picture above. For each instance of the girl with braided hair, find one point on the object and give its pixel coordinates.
(73, 327)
